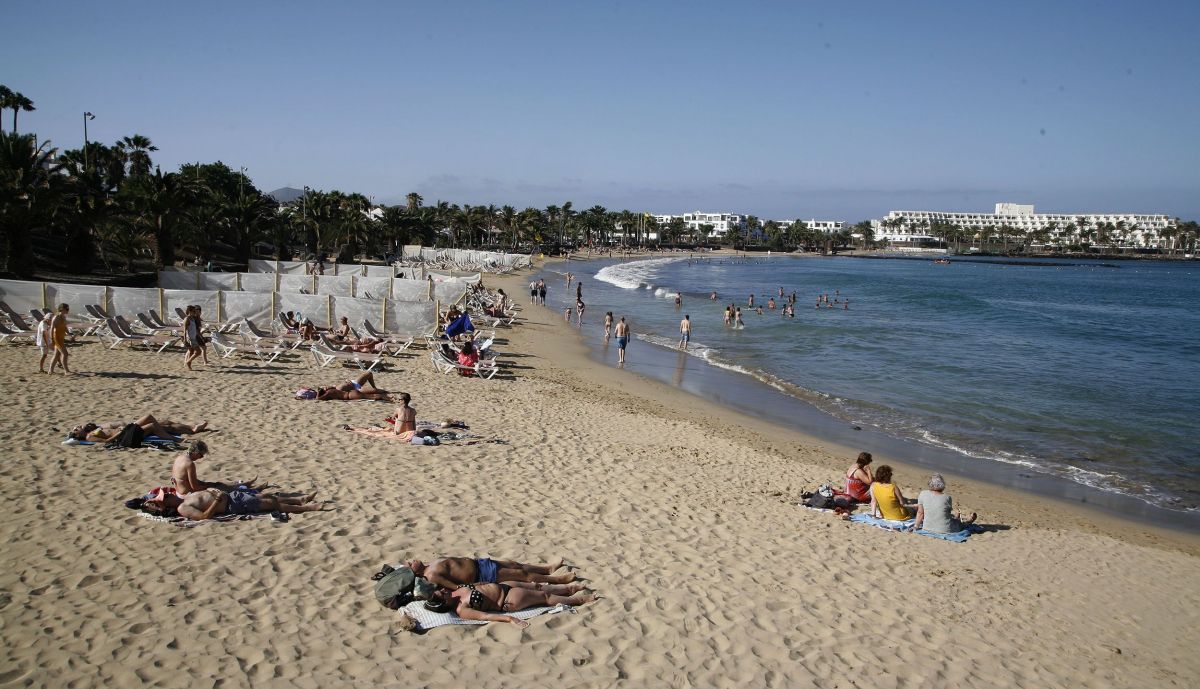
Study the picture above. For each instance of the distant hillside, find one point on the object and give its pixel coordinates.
(286, 194)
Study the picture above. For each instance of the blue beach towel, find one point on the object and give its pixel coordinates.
(906, 525)
(460, 325)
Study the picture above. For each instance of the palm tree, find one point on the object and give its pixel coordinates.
(135, 151)
(29, 193)
(16, 101)
(162, 201)
(413, 200)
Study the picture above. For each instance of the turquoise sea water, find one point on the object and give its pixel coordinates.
(1088, 371)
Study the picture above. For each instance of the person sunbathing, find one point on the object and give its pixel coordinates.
(104, 432)
(214, 502)
(289, 321)
(489, 602)
(452, 572)
(342, 333)
(354, 390)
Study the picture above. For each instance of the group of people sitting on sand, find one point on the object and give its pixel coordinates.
(932, 511)
(482, 589)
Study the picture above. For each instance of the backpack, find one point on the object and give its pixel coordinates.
(394, 586)
(130, 437)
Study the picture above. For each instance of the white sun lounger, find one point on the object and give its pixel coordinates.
(325, 356)
(484, 368)
(253, 333)
(400, 340)
(226, 348)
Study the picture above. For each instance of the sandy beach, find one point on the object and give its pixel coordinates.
(680, 514)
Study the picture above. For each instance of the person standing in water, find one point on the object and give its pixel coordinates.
(685, 331)
(622, 332)
(608, 323)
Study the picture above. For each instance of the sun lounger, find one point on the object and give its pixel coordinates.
(159, 320)
(484, 368)
(151, 325)
(325, 356)
(17, 321)
(7, 333)
(252, 333)
(403, 342)
(226, 348)
(119, 335)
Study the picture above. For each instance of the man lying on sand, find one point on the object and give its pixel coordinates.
(354, 390)
(485, 601)
(452, 572)
(102, 433)
(214, 502)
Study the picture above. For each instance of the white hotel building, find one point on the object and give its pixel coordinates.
(913, 227)
(823, 226)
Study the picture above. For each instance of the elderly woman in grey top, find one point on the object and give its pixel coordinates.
(935, 509)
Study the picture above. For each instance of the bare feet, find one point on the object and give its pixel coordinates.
(585, 597)
(200, 426)
(974, 516)
(555, 564)
(310, 497)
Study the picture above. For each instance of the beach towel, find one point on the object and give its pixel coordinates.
(190, 523)
(459, 326)
(427, 619)
(906, 525)
(148, 440)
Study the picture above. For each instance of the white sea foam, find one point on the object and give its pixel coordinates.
(635, 274)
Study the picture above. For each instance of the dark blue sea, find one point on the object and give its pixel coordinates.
(1088, 371)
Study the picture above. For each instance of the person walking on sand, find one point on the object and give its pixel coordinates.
(58, 336)
(533, 291)
(191, 336)
(42, 340)
(685, 331)
(622, 332)
(541, 291)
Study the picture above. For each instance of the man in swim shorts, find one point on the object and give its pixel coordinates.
(452, 572)
(685, 331)
(622, 333)
(213, 502)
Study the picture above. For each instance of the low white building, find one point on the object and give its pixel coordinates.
(823, 226)
(1125, 230)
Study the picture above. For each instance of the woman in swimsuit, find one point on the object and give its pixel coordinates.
(488, 602)
(342, 333)
(859, 478)
(354, 390)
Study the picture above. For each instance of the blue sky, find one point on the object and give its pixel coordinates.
(826, 110)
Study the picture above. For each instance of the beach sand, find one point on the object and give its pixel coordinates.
(681, 515)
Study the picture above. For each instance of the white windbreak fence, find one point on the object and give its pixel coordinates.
(22, 296)
(410, 290)
(379, 271)
(373, 288)
(177, 279)
(411, 272)
(75, 296)
(441, 275)
(208, 302)
(407, 317)
(258, 282)
(449, 292)
(306, 284)
(226, 282)
(256, 306)
(259, 266)
(128, 301)
(337, 285)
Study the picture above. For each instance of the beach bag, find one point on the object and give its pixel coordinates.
(306, 394)
(394, 586)
(131, 437)
(822, 499)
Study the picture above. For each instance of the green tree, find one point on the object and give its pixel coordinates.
(135, 152)
(16, 101)
(29, 194)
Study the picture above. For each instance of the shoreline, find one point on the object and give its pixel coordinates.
(981, 484)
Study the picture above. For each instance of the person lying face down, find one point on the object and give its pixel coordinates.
(489, 602)
(360, 388)
(452, 572)
(213, 502)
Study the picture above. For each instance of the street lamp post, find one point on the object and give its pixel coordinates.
(86, 116)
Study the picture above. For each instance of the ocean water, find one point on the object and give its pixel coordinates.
(1088, 371)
